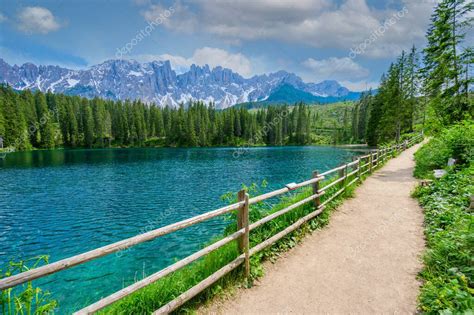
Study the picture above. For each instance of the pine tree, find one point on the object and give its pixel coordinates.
(443, 61)
(45, 122)
(88, 126)
(16, 133)
(2, 118)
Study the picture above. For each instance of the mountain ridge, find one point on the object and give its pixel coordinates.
(156, 82)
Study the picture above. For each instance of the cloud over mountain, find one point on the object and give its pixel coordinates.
(37, 20)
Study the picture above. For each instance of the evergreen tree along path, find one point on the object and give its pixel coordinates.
(365, 261)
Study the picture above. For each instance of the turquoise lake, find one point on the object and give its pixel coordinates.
(64, 202)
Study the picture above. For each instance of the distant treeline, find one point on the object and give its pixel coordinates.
(46, 120)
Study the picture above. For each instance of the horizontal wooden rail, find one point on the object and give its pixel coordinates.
(159, 275)
(283, 211)
(333, 170)
(186, 296)
(340, 191)
(352, 163)
(353, 181)
(281, 191)
(364, 172)
(285, 232)
(337, 181)
(352, 173)
(108, 249)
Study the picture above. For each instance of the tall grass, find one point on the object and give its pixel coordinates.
(25, 299)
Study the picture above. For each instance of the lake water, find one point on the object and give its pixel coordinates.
(65, 202)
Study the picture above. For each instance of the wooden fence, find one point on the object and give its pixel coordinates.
(353, 171)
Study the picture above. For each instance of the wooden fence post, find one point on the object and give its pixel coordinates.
(243, 222)
(341, 175)
(346, 171)
(359, 170)
(370, 162)
(317, 201)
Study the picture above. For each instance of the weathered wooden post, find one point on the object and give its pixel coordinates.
(317, 201)
(243, 222)
(346, 171)
(359, 169)
(341, 175)
(370, 162)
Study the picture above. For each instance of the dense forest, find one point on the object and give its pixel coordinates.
(423, 90)
(45, 120)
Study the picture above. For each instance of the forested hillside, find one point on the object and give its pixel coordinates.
(45, 120)
(426, 89)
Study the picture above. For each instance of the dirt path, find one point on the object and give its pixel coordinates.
(364, 262)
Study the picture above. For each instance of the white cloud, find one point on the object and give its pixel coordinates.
(37, 20)
(218, 57)
(3, 18)
(359, 86)
(335, 68)
(319, 23)
(181, 19)
(206, 55)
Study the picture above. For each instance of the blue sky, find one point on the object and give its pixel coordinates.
(352, 41)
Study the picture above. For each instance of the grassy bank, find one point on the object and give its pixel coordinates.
(448, 273)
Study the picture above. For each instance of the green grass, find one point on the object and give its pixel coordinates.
(25, 299)
(448, 272)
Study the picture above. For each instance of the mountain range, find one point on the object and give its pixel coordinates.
(157, 82)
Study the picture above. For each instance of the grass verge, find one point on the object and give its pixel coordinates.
(448, 272)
